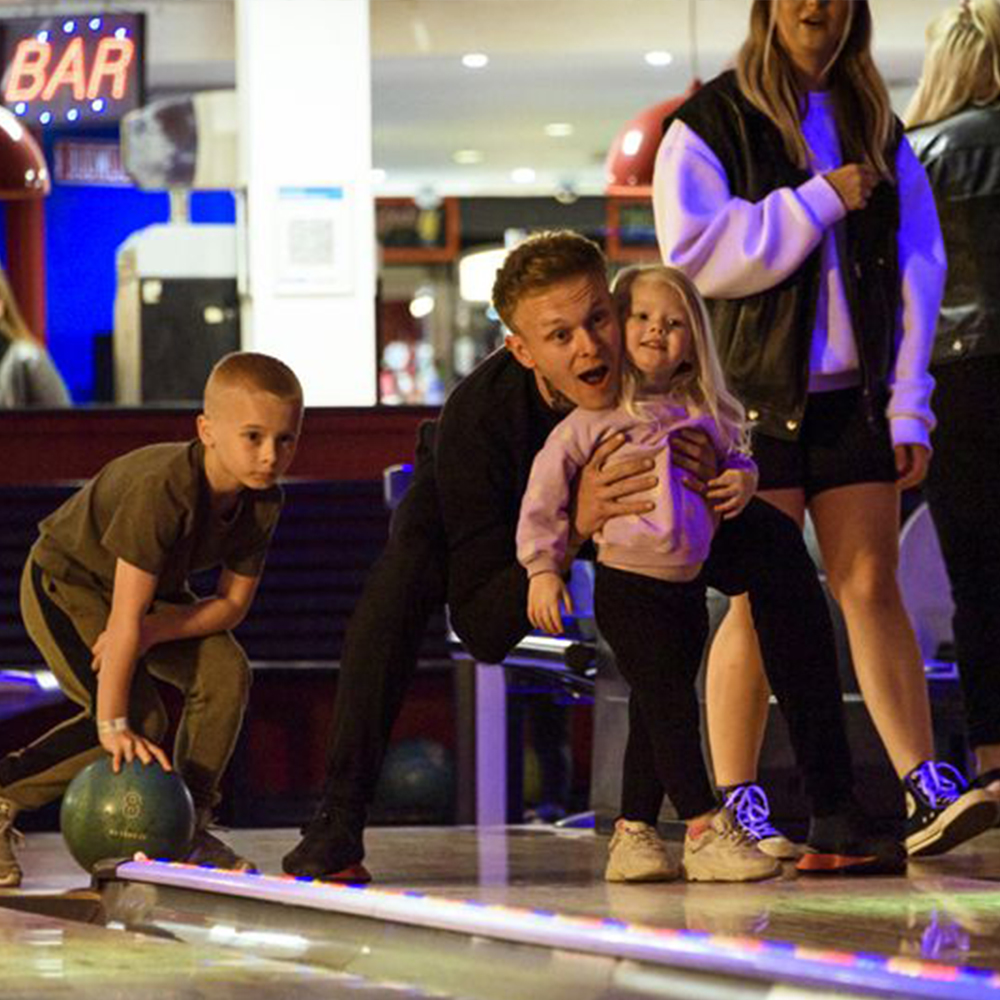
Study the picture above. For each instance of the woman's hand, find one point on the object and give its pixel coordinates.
(546, 591)
(854, 183)
(691, 449)
(912, 461)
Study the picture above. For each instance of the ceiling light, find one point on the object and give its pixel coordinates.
(422, 304)
(558, 130)
(523, 175)
(467, 157)
(475, 60)
(659, 58)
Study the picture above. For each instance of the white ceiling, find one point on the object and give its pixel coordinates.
(575, 61)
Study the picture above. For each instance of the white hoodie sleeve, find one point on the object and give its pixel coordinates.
(728, 246)
(922, 270)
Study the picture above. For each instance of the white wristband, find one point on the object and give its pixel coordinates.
(118, 725)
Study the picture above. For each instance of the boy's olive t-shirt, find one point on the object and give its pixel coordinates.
(152, 508)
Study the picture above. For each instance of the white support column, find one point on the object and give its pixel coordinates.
(309, 266)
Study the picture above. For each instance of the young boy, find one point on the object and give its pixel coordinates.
(105, 597)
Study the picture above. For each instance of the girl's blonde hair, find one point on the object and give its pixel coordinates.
(12, 324)
(702, 383)
(961, 65)
(863, 113)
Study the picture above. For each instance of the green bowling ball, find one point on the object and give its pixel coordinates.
(142, 808)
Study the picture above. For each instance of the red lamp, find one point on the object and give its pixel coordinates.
(628, 167)
(24, 182)
(23, 173)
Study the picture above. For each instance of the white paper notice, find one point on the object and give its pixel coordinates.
(313, 226)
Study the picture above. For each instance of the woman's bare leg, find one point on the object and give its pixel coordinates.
(858, 531)
(736, 690)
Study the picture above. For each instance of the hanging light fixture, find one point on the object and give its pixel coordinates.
(23, 173)
(628, 167)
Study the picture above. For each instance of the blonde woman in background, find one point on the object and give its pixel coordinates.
(955, 117)
(27, 375)
(786, 190)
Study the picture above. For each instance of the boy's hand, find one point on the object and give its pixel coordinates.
(731, 491)
(100, 644)
(126, 746)
(546, 591)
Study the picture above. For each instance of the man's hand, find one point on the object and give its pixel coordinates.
(691, 449)
(603, 489)
(546, 591)
(854, 183)
(126, 746)
(912, 461)
(731, 491)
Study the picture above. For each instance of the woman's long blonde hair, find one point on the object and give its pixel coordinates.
(702, 383)
(961, 65)
(766, 77)
(12, 324)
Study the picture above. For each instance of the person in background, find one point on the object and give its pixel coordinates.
(786, 190)
(27, 375)
(955, 122)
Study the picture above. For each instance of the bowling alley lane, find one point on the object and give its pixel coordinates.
(934, 934)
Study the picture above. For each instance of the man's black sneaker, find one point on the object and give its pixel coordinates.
(332, 848)
(942, 811)
(843, 844)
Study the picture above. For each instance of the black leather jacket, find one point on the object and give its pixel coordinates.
(764, 339)
(962, 157)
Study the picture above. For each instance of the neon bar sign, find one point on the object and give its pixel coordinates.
(72, 70)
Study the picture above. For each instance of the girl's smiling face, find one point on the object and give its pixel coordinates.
(657, 332)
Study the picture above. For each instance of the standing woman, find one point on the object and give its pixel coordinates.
(957, 113)
(27, 375)
(786, 191)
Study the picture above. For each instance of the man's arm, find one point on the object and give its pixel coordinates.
(134, 590)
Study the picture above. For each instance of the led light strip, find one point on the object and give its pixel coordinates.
(891, 975)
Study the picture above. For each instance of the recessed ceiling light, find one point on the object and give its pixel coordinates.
(558, 130)
(475, 60)
(467, 157)
(523, 175)
(659, 58)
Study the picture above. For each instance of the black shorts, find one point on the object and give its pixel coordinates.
(838, 446)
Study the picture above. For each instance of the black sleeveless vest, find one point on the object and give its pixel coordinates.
(764, 339)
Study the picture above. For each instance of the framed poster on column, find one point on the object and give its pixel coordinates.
(313, 246)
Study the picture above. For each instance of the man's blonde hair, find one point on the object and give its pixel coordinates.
(961, 65)
(703, 383)
(253, 372)
(540, 262)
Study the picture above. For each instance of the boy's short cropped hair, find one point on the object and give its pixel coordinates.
(541, 261)
(256, 373)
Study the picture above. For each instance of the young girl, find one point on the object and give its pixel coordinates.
(786, 192)
(648, 599)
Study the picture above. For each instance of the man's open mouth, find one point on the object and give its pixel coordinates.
(595, 375)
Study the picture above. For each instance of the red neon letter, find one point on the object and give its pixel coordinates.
(69, 72)
(27, 70)
(114, 56)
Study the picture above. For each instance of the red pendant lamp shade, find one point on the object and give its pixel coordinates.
(23, 173)
(628, 168)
